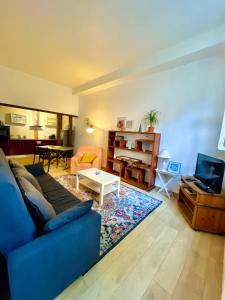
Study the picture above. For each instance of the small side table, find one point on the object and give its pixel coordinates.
(165, 178)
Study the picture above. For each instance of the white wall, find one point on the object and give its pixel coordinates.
(24, 130)
(191, 99)
(22, 89)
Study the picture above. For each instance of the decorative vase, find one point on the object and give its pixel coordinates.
(151, 129)
(140, 128)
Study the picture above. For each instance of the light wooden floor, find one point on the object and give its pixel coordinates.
(160, 259)
(54, 171)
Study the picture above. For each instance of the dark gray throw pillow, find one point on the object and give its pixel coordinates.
(68, 215)
(40, 208)
(15, 164)
(18, 172)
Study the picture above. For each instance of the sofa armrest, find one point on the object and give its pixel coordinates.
(68, 215)
(97, 163)
(36, 169)
(44, 267)
(76, 158)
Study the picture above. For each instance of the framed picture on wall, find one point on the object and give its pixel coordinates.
(174, 167)
(129, 124)
(121, 123)
(18, 119)
(51, 122)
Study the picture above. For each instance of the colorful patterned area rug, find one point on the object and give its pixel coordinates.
(119, 214)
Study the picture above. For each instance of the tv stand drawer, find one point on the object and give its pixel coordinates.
(203, 211)
(212, 200)
(210, 219)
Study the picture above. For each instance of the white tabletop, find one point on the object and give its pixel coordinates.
(98, 176)
(167, 172)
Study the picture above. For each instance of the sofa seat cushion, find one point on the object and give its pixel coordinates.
(59, 197)
(41, 210)
(85, 165)
(36, 169)
(68, 215)
(18, 172)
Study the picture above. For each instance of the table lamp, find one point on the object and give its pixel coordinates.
(164, 155)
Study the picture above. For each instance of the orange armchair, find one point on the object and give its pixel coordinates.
(76, 163)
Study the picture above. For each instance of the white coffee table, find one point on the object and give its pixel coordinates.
(98, 181)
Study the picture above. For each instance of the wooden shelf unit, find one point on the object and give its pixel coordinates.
(139, 172)
(133, 149)
(203, 211)
(134, 175)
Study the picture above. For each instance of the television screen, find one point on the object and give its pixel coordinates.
(210, 171)
(4, 132)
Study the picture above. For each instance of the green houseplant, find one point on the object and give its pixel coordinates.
(152, 119)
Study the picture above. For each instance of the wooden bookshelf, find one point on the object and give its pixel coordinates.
(144, 176)
(203, 211)
(134, 150)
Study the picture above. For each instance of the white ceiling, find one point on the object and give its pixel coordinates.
(72, 42)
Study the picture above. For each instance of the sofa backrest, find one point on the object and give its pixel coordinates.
(16, 224)
(90, 149)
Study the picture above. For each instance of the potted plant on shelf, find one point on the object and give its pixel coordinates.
(152, 118)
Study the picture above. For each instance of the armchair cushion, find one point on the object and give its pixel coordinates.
(88, 157)
(77, 160)
(68, 215)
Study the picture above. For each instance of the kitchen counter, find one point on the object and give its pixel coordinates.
(23, 146)
(22, 139)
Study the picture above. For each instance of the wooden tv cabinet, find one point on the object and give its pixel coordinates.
(203, 211)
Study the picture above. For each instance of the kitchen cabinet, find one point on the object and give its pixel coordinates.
(22, 146)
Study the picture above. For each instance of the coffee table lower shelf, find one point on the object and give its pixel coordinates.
(97, 188)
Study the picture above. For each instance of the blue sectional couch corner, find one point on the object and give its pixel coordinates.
(38, 265)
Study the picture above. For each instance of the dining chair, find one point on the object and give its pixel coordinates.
(45, 154)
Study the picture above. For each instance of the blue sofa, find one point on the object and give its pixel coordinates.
(41, 266)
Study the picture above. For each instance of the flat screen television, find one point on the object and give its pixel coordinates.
(4, 132)
(210, 172)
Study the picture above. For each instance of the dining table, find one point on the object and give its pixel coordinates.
(62, 153)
